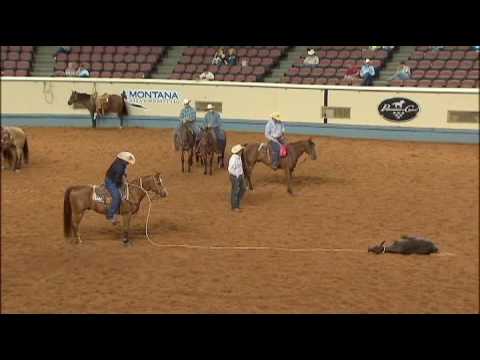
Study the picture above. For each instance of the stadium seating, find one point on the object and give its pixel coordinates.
(261, 60)
(113, 61)
(451, 67)
(334, 62)
(16, 60)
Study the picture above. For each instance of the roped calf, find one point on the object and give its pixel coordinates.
(407, 245)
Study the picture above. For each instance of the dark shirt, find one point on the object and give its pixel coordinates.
(116, 171)
(232, 60)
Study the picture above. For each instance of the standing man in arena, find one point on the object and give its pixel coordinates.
(235, 169)
(188, 114)
(275, 133)
(115, 177)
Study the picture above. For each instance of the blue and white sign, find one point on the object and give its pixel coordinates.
(153, 96)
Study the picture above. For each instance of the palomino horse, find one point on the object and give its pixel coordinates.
(262, 153)
(208, 146)
(14, 147)
(101, 105)
(185, 142)
(77, 199)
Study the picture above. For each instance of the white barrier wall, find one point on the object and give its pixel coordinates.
(244, 101)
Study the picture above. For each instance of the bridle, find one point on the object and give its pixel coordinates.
(154, 182)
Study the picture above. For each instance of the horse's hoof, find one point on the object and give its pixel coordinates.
(127, 243)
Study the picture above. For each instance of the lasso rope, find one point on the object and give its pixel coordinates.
(212, 247)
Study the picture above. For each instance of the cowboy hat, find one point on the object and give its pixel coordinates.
(276, 116)
(210, 107)
(186, 101)
(311, 52)
(367, 60)
(236, 149)
(128, 157)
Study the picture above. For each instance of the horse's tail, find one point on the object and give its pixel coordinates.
(67, 213)
(25, 151)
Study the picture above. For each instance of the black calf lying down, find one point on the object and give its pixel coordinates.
(408, 245)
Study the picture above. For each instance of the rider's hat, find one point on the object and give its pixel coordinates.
(128, 157)
(276, 116)
(236, 149)
(186, 101)
(209, 107)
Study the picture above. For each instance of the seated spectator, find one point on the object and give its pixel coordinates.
(62, 50)
(71, 69)
(353, 72)
(476, 48)
(207, 75)
(219, 58)
(82, 71)
(402, 73)
(436, 48)
(244, 62)
(367, 73)
(311, 59)
(232, 57)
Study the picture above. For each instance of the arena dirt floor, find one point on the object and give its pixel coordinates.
(357, 193)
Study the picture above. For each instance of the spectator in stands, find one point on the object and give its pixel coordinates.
(82, 71)
(374, 47)
(311, 59)
(367, 73)
(476, 48)
(388, 48)
(207, 75)
(353, 72)
(402, 73)
(71, 69)
(436, 48)
(232, 57)
(63, 50)
(219, 58)
(244, 62)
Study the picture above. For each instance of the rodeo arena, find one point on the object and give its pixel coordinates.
(240, 179)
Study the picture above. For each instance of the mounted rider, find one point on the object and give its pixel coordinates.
(275, 133)
(115, 177)
(187, 115)
(212, 120)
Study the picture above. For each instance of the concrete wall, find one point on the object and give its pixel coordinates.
(35, 99)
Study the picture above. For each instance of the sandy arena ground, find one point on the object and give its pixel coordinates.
(358, 192)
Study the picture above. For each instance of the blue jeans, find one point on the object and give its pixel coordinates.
(276, 152)
(368, 79)
(238, 190)
(116, 198)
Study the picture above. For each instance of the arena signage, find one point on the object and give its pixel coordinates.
(398, 109)
(153, 96)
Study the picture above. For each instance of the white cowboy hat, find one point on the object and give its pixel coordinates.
(128, 157)
(236, 149)
(367, 60)
(186, 101)
(311, 52)
(276, 116)
(210, 107)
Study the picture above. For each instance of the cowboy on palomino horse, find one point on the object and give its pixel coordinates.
(275, 133)
(188, 116)
(115, 177)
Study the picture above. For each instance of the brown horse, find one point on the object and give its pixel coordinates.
(77, 199)
(262, 153)
(185, 142)
(14, 147)
(101, 105)
(207, 147)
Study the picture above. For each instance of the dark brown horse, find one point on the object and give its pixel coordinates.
(78, 199)
(185, 142)
(262, 153)
(208, 146)
(14, 147)
(101, 105)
